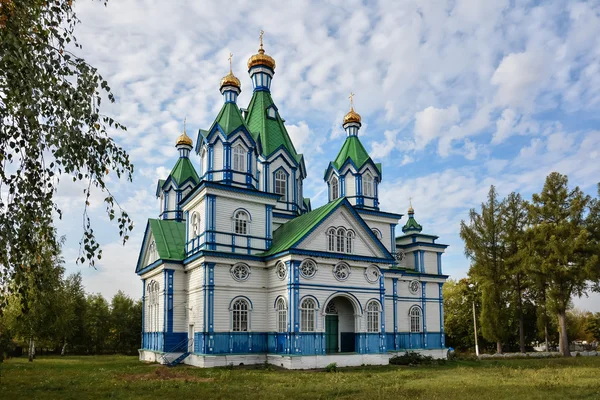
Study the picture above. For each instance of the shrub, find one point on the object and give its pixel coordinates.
(331, 367)
(411, 358)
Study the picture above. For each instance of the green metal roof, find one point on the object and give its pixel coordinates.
(271, 131)
(183, 170)
(354, 150)
(411, 225)
(229, 118)
(290, 233)
(169, 237)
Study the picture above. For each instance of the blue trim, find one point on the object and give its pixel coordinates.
(395, 303)
(164, 301)
(268, 225)
(379, 213)
(228, 188)
(286, 216)
(287, 181)
(439, 263)
(325, 254)
(342, 182)
(142, 248)
(443, 336)
(382, 302)
(266, 178)
(393, 233)
(312, 297)
(411, 273)
(295, 187)
(416, 255)
(143, 310)
(187, 226)
(170, 306)
(211, 165)
(422, 260)
(350, 162)
(424, 310)
(211, 296)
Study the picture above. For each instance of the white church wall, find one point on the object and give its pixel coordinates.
(218, 156)
(180, 301)
(270, 312)
(433, 316)
(403, 318)
(384, 228)
(409, 260)
(226, 207)
(431, 262)
(195, 292)
(350, 181)
(389, 315)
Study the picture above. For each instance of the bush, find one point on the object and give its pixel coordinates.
(331, 367)
(411, 358)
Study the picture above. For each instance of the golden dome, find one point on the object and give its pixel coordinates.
(411, 210)
(231, 80)
(184, 138)
(261, 58)
(352, 116)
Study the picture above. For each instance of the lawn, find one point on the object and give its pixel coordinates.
(123, 377)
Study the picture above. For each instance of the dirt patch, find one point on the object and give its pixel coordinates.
(164, 374)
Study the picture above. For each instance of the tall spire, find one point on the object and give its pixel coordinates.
(261, 68)
(230, 85)
(351, 120)
(184, 143)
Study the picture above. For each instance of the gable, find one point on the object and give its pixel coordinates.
(163, 240)
(365, 244)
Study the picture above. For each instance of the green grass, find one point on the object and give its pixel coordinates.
(123, 377)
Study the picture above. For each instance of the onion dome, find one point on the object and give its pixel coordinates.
(352, 116)
(184, 143)
(261, 58)
(231, 80)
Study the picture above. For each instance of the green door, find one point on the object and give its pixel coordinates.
(331, 334)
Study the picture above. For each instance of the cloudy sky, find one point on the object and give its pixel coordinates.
(455, 96)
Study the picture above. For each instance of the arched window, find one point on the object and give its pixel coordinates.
(350, 241)
(368, 185)
(152, 308)
(373, 312)
(377, 233)
(239, 158)
(240, 316)
(195, 224)
(415, 319)
(335, 190)
(281, 315)
(331, 239)
(308, 312)
(340, 240)
(281, 183)
(241, 220)
(152, 253)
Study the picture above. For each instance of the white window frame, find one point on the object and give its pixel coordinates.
(241, 222)
(195, 223)
(368, 187)
(373, 316)
(415, 316)
(331, 239)
(281, 183)
(239, 158)
(240, 314)
(350, 241)
(308, 315)
(340, 240)
(152, 298)
(335, 188)
(282, 311)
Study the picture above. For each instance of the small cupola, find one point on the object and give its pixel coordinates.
(184, 143)
(230, 85)
(351, 120)
(261, 68)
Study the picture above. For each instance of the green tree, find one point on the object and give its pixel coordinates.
(52, 128)
(70, 322)
(126, 323)
(97, 324)
(593, 326)
(577, 323)
(483, 246)
(562, 244)
(514, 218)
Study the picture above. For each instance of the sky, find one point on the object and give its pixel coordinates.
(455, 96)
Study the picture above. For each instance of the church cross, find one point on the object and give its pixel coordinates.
(261, 38)
(410, 201)
(351, 97)
(230, 58)
(184, 120)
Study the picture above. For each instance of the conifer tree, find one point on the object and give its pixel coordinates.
(483, 246)
(562, 246)
(514, 214)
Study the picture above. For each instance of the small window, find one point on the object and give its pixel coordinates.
(308, 312)
(281, 315)
(239, 159)
(368, 185)
(331, 239)
(415, 319)
(340, 240)
(377, 233)
(240, 321)
(241, 220)
(271, 113)
(349, 242)
(335, 192)
(195, 224)
(341, 272)
(308, 269)
(240, 272)
(280, 183)
(373, 312)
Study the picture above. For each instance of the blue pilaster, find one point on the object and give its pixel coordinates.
(269, 225)
(227, 162)
(442, 332)
(143, 312)
(422, 260)
(209, 308)
(211, 161)
(424, 307)
(393, 238)
(249, 169)
(169, 274)
(382, 338)
(342, 186)
(439, 263)
(416, 254)
(266, 177)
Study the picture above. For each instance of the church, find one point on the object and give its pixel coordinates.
(238, 268)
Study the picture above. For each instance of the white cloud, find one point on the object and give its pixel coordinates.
(432, 122)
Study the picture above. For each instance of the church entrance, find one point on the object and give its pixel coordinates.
(339, 326)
